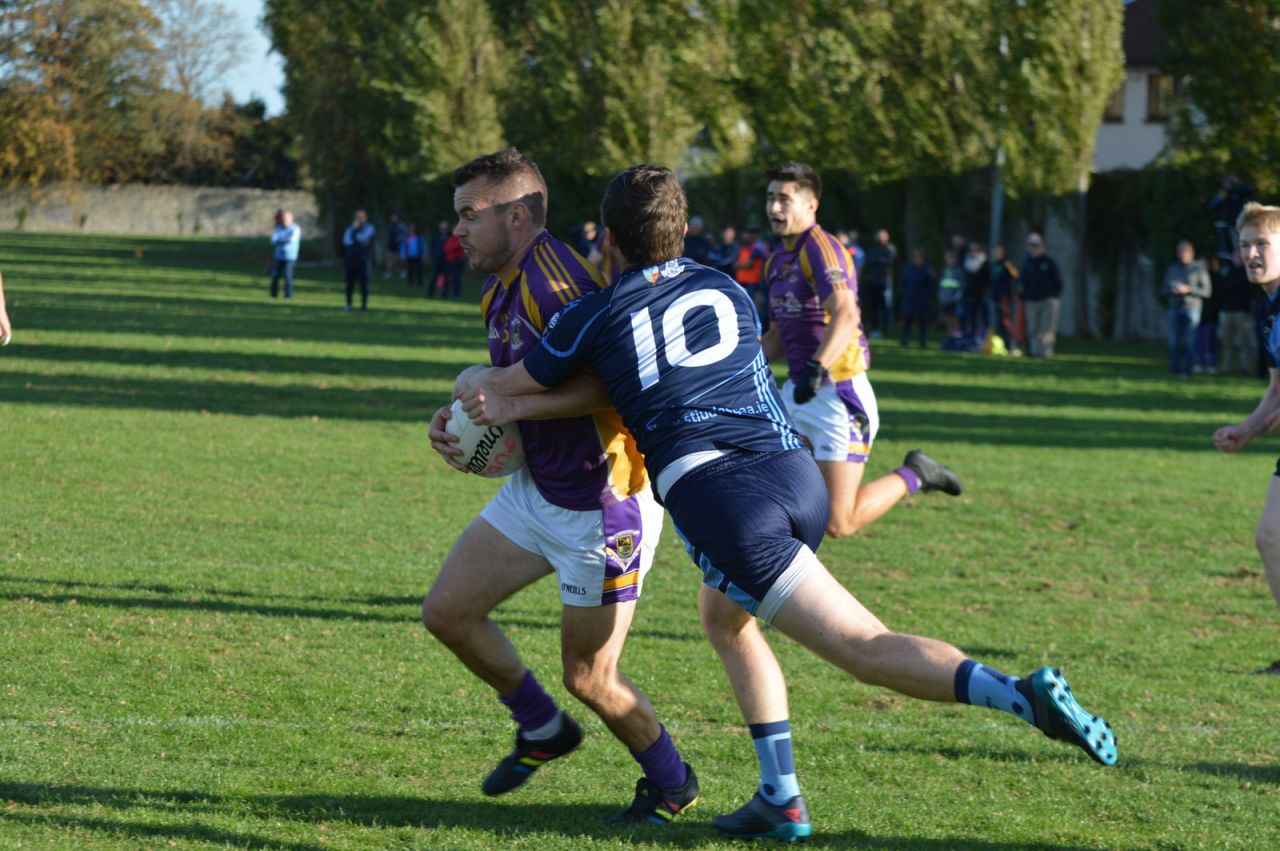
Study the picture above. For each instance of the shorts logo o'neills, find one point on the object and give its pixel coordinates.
(573, 589)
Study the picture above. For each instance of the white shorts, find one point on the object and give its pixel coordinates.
(600, 557)
(840, 422)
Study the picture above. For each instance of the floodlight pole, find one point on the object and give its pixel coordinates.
(996, 234)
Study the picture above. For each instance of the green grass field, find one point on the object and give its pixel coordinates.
(218, 515)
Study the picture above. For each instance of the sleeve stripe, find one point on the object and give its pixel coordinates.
(549, 275)
(573, 289)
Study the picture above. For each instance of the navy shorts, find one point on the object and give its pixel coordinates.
(752, 522)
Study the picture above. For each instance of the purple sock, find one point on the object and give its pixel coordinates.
(909, 476)
(530, 705)
(662, 763)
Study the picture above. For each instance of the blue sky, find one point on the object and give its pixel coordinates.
(261, 72)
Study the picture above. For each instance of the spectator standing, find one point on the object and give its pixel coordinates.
(917, 287)
(357, 243)
(1004, 280)
(951, 292)
(1225, 206)
(435, 253)
(1040, 288)
(286, 238)
(1207, 331)
(876, 282)
(1187, 285)
(1235, 319)
(749, 273)
(588, 239)
(976, 312)
(724, 256)
(859, 254)
(454, 257)
(413, 250)
(392, 261)
(697, 247)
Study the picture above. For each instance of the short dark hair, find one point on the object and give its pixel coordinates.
(501, 165)
(802, 174)
(646, 209)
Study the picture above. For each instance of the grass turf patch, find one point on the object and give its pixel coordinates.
(219, 515)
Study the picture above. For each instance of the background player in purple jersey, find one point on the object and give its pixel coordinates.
(816, 326)
(581, 507)
(673, 343)
(1259, 234)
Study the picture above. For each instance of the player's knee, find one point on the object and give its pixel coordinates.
(842, 527)
(442, 621)
(723, 624)
(589, 681)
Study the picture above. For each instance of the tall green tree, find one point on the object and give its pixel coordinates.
(83, 73)
(601, 86)
(386, 96)
(890, 89)
(1229, 61)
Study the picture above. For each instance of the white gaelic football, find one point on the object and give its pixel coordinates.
(489, 451)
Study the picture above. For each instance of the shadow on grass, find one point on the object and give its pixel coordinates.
(490, 819)
(221, 397)
(209, 604)
(405, 609)
(1247, 773)
(173, 315)
(232, 361)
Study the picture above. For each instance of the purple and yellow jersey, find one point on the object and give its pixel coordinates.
(800, 279)
(579, 463)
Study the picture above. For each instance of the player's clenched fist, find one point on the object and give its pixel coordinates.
(1230, 438)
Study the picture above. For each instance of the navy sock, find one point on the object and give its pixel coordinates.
(531, 707)
(979, 685)
(661, 763)
(778, 782)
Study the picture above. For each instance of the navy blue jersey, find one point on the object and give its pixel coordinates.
(676, 344)
(1271, 329)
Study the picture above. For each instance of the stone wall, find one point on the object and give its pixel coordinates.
(174, 210)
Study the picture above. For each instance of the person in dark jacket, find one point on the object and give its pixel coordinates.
(1004, 280)
(1235, 317)
(1040, 288)
(976, 312)
(917, 288)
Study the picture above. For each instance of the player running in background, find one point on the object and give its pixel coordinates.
(816, 326)
(675, 345)
(581, 508)
(1259, 235)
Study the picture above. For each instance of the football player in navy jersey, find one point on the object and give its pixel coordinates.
(1259, 230)
(675, 346)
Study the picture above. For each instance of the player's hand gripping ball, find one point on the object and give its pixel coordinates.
(490, 451)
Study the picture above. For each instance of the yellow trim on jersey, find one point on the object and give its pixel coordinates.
(626, 580)
(531, 306)
(852, 361)
(627, 475)
(583, 265)
(558, 279)
(485, 300)
(594, 273)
